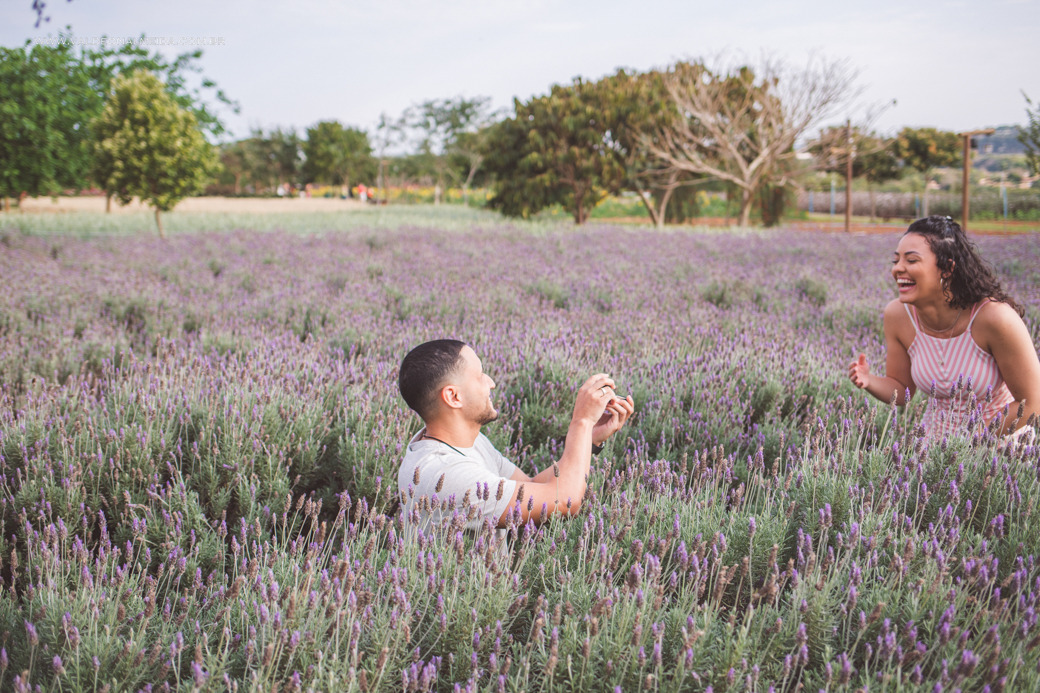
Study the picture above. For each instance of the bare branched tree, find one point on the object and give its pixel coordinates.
(740, 124)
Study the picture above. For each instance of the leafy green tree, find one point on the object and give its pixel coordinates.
(553, 150)
(337, 155)
(271, 158)
(634, 106)
(451, 131)
(874, 157)
(1030, 137)
(233, 171)
(924, 149)
(261, 162)
(44, 111)
(49, 94)
(147, 146)
(389, 133)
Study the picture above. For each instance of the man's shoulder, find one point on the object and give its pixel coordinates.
(420, 462)
(484, 445)
(424, 452)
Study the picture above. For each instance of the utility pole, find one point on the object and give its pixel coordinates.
(967, 165)
(849, 150)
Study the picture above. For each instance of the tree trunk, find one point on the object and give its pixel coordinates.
(669, 189)
(658, 221)
(158, 223)
(745, 207)
(381, 181)
(924, 204)
(469, 180)
(873, 205)
(108, 203)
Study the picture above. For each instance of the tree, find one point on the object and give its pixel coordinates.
(147, 146)
(1030, 137)
(553, 151)
(923, 149)
(740, 124)
(336, 154)
(261, 162)
(49, 94)
(452, 130)
(44, 111)
(518, 180)
(874, 158)
(273, 158)
(389, 133)
(633, 107)
(233, 169)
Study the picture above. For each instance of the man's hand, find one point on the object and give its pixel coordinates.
(613, 418)
(593, 398)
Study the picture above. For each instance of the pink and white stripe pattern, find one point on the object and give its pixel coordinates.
(961, 379)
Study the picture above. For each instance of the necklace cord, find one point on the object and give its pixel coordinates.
(948, 329)
(428, 436)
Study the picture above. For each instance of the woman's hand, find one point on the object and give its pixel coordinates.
(859, 372)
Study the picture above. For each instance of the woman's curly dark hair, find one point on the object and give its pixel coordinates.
(970, 279)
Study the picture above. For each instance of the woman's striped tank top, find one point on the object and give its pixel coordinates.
(959, 377)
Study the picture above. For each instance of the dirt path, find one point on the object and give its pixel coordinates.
(252, 205)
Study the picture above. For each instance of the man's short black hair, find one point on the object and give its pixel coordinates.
(424, 371)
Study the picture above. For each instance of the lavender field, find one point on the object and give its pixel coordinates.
(199, 439)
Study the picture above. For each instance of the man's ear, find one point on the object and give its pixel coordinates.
(450, 396)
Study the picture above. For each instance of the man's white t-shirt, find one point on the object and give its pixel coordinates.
(463, 469)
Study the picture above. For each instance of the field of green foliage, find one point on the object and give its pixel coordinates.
(199, 440)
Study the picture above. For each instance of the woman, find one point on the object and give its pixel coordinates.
(954, 334)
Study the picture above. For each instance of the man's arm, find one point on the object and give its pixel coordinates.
(561, 487)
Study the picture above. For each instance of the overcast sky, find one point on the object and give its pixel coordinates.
(950, 64)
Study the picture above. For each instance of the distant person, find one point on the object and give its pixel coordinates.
(444, 382)
(955, 334)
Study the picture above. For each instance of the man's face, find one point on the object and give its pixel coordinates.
(475, 389)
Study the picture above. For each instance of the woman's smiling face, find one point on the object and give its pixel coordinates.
(915, 269)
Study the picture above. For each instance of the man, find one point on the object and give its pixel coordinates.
(444, 382)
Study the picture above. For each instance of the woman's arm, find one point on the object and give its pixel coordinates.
(1000, 331)
(896, 381)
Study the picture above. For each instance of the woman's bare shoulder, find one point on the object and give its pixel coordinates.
(898, 325)
(996, 318)
(895, 311)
